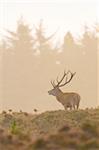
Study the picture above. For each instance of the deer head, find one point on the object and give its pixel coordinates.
(67, 76)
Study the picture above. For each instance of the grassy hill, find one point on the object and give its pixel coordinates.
(51, 130)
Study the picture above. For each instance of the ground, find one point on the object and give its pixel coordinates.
(51, 130)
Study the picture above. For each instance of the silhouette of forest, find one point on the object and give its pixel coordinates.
(29, 60)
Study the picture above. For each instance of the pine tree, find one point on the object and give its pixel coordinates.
(21, 41)
(43, 42)
(18, 63)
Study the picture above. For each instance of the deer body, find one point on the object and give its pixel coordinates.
(68, 100)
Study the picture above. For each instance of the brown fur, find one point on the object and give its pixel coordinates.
(68, 100)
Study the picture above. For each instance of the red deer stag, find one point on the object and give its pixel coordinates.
(68, 100)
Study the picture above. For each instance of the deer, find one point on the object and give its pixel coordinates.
(69, 100)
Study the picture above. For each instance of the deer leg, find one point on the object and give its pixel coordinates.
(65, 107)
(74, 107)
(77, 105)
(70, 107)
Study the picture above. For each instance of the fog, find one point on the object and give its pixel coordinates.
(32, 53)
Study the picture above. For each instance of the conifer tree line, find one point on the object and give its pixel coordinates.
(29, 60)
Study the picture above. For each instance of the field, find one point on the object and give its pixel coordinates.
(51, 130)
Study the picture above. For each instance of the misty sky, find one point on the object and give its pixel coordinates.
(63, 15)
(58, 15)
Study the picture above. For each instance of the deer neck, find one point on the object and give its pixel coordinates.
(59, 95)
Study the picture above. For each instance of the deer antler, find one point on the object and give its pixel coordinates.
(58, 82)
(53, 84)
(66, 80)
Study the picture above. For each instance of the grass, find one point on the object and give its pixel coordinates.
(51, 130)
